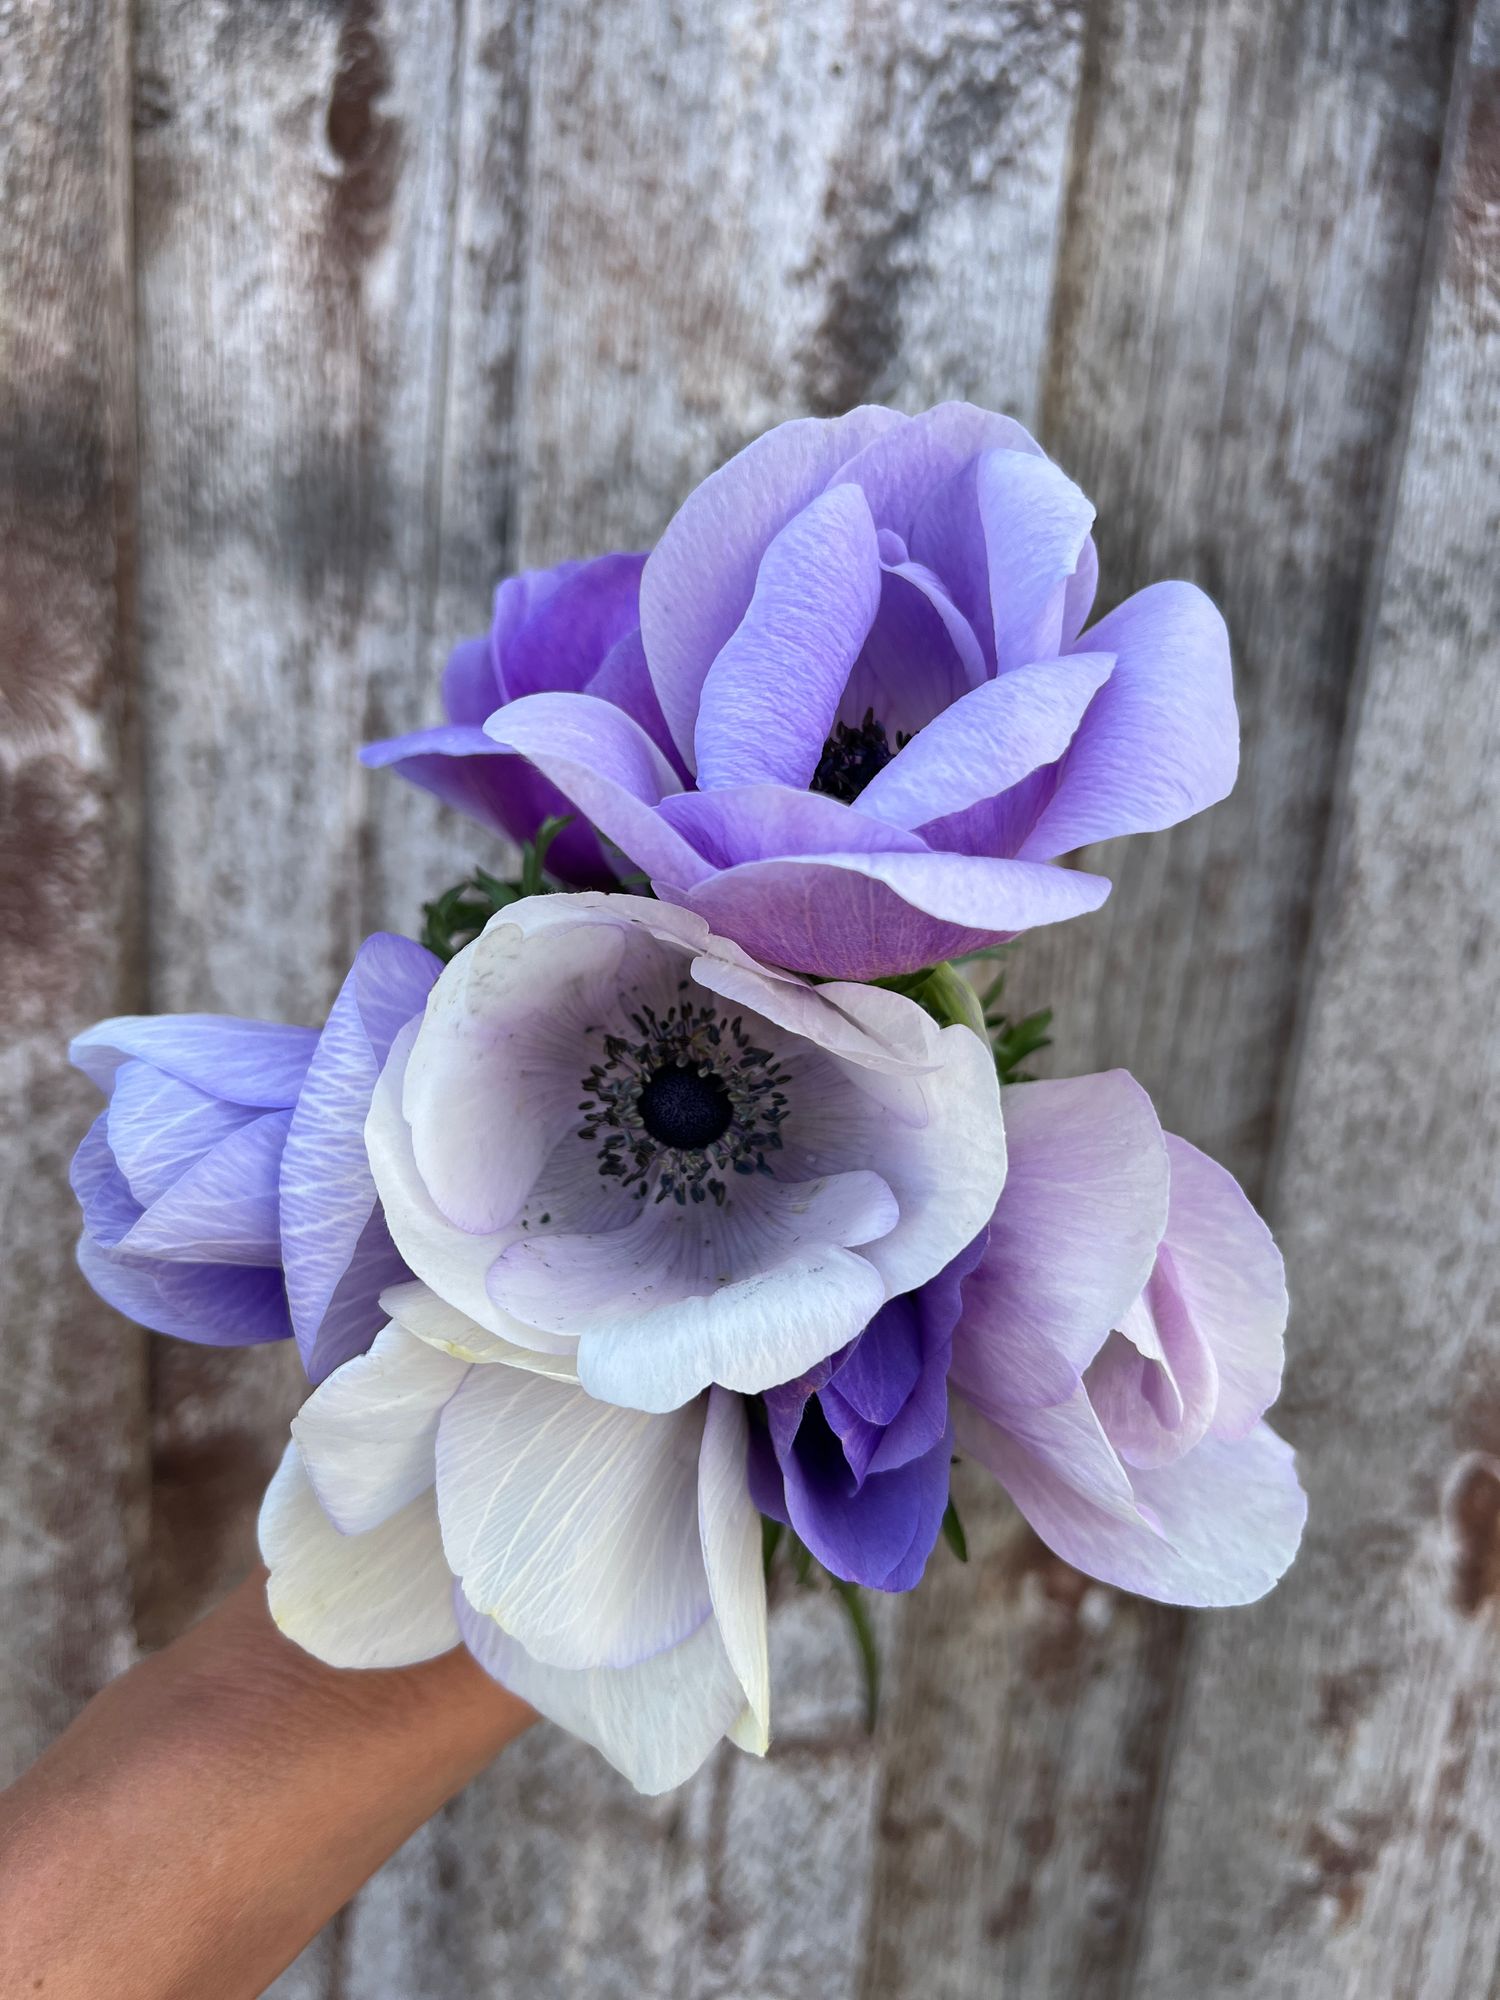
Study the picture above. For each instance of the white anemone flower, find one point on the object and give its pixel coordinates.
(602, 1563)
(616, 1139)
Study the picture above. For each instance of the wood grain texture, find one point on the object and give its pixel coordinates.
(1242, 251)
(1354, 1717)
(294, 199)
(72, 1452)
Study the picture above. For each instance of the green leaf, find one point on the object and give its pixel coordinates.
(852, 1599)
(953, 1533)
(770, 1540)
(456, 918)
(944, 993)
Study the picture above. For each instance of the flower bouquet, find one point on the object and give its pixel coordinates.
(679, 1206)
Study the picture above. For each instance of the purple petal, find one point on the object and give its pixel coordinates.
(216, 1305)
(987, 742)
(866, 916)
(471, 686)
(1078, 596)
(1161, 739)
(1036, 522)
(327, 1194)
(624, 680)
(1153, 1383)
(699, 579)
(1222, 1264)
(898, 471)
(558, 646)
(1072, 1242)
(223, 1209)
(110, 1210)
(1218, 1527)
(610, 770)
(775, 823)
(918, 657)
(885, 1363)
(769, 699)
(880, 1533)
(259, 1063)
(159, 1126)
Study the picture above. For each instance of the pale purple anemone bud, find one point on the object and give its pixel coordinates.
(885, 717)
(573, 628)
(1120, 1341)
(616, 1138)
(226, 1194)
(178, 1175)
(603, 1564)
(854, 1456)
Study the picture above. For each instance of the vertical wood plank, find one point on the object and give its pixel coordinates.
(1242, 253)
(1353, 1719)
(294, 184)
(71, 1447)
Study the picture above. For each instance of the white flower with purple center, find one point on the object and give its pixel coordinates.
(615, 1138)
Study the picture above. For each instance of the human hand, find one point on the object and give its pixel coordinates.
(211, 1809)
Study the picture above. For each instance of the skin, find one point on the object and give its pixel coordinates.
(210, 1810)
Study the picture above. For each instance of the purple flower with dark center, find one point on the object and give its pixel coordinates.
(855, 1454)
(882, 718)
(227, 1196)
(573, 629)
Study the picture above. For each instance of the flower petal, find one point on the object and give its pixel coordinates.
(160, 1126)
(1036, 522)
(368, 1434)
(665, 1306)
(384, 1599)
(1072, 1242)
(223, 1209)
(453, 1262)
(1217, 1527)
(572, 1523)
(701, 576)
(868, 916)
(1225, 1268)
(259, 1063)
(656, 1721)
(771, 695)
(423, 1314)
(732, 1556)
(608, 767)
(1161, 739)
(215, 1305)
(327, 1198)
(987, 742)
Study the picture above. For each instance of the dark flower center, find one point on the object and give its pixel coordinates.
(682, 1107)
(852, 757)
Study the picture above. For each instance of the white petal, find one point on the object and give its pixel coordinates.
(732, 1555)
(940, 1142)
(656, 1722)
(368, 1433)
(572, 1522)
(419, 1309)
(488, 1091)
(384, 1599)
(452, 1261)
(866, 1025)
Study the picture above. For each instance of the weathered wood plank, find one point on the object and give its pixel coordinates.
(72, 1459)
(1330, 1826)
(1241, 257)
(294, 182)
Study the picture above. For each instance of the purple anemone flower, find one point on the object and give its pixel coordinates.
(1121, 1339)
(884, 718)
(855, 1453)
(226, 1194)
(572, 629)
(177, 1176)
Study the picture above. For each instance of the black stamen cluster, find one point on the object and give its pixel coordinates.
(688, 1103)
(851, 758)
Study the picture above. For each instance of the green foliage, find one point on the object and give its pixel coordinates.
(808, 1573)
(1014, 1042)
(457, 917)
(953, 1533)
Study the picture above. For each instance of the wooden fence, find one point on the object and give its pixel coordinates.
(316, 318)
